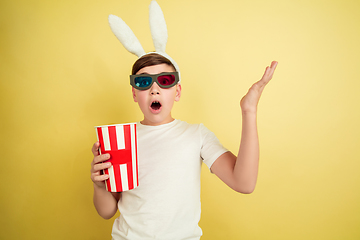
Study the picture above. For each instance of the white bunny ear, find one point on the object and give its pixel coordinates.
(157, 27)
(125, 35)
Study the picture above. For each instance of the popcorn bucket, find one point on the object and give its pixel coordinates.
(119, 140)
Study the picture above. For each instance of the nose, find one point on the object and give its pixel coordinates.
(155, 89)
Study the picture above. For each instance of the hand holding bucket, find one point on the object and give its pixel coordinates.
(120, 141)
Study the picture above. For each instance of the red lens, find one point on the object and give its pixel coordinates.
(166, 80)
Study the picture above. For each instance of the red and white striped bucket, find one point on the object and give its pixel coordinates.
(120, 141)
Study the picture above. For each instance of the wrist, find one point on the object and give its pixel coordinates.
(101, 187)
(249, 111)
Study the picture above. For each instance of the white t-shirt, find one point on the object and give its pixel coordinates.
(166, 204)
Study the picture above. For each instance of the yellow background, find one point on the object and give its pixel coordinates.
(64, 72)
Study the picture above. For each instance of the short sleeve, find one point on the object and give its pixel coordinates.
(211, 147)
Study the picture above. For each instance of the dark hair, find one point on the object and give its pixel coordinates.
(150, 60)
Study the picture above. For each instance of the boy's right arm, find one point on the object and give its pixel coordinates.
(105, 202)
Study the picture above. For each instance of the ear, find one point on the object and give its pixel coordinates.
(158, 27)
(125, 35)
(178, 92)
(134, 94)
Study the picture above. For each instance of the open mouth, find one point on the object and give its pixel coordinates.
(155, 105)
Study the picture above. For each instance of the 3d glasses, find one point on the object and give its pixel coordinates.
(145, 81)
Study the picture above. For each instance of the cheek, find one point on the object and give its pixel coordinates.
(141, 99)
(171, 96)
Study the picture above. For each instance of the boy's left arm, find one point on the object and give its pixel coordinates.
(240, 173)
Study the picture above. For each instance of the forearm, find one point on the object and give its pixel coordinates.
(247, 162)
(104, 202)
(240, 173)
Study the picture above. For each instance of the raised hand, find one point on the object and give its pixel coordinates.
(250, 101)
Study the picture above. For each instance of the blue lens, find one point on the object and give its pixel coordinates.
(143, 81)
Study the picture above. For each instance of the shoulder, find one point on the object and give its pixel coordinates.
(198, 131)
(193, 127)
(188, 125)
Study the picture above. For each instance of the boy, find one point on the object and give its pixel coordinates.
(166, 205)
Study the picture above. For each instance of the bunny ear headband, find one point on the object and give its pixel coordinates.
(158, 32)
